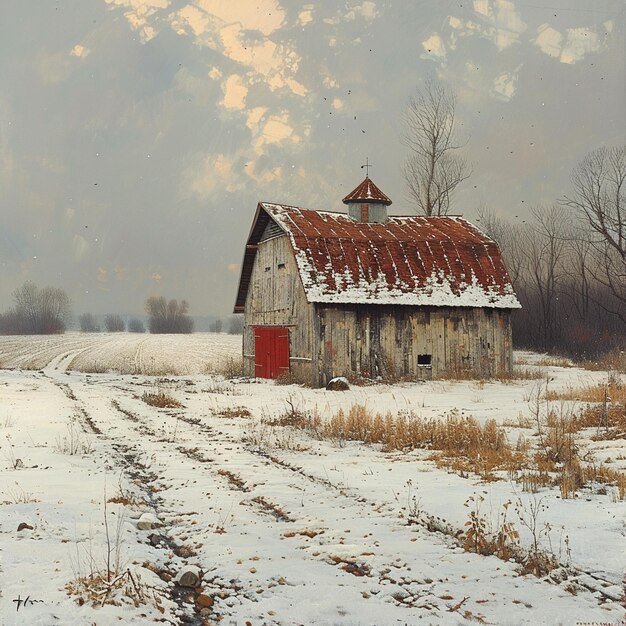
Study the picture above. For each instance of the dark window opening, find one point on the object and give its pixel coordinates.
(424, 360)
(267, 269)
(281, 266)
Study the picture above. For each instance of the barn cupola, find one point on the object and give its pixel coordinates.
(367, 203)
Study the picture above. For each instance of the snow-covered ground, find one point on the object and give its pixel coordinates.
(285, 528)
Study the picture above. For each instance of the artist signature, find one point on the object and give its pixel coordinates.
(19, 602)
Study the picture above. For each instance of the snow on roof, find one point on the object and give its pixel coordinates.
(413, 260)
(367, 191)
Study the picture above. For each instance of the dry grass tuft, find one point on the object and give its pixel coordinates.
(307, 532)
(273, 509)
(462, 443)
(98, 589)
(291, 378)
(233, 479)
(605, 407)
(554, 361)
(611, 361)
(161, 400)
(234, 411)
(228, 368)
(517, 373)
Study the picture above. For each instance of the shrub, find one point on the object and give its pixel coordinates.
(461, 443)
(114, 323)
(168, 317)
(36, 311)
(235, 325)
(161, 400)
(136, 326)
(88, 323)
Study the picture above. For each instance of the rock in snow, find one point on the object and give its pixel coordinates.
(189, 576)
(148, 521)
(340, 383)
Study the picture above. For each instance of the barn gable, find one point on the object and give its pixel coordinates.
(413, 260)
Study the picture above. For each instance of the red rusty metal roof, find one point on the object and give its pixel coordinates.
(367, 191)
(414, 260)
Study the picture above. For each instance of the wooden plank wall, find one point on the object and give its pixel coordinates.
(385, 341)
(276, 297)
(369, 340)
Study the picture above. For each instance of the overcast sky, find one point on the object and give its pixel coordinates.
(137, 136)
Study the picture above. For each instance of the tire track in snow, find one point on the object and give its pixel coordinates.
(128, 458)
(209, 449)
(299, 543)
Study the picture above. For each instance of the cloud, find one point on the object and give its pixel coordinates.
(306, 15)
(138, 14)
(570, 47)
(274, 64)
(578, 43)
(79, 51)
(549, 40)
(266, 17)
(501, 23)
(264, 175)
(208, 174)
(254, 117)
(434, 47)
(103, 275)
(277, 129)
(365, 9)
(197, 20)
(121, 272)
(505, 85)
(235, 93)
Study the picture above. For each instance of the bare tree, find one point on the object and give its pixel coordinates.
(168, 317)
(599, 197)
(136, 326)
(554, 269)
(88, 323)
(37, 311)
(216, 326)
(509, 240)
(433, 169)
(235, 325)
(543, 246)
(114, 323)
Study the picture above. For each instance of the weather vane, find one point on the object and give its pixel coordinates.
(367, 167)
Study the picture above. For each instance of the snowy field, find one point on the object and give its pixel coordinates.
(282, 526)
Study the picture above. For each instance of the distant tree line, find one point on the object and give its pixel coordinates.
(36, 311)
(568, 262)
(168, 316)
(136, 326)
(163, 317)
(234, 327)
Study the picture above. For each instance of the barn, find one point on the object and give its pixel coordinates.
(364, 294)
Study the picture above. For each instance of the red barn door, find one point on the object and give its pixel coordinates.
(271, 351)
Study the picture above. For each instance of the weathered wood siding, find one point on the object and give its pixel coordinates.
(276, 298)
(388, 342)
(368, 340)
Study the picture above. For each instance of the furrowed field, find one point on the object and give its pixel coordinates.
(142, 480)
